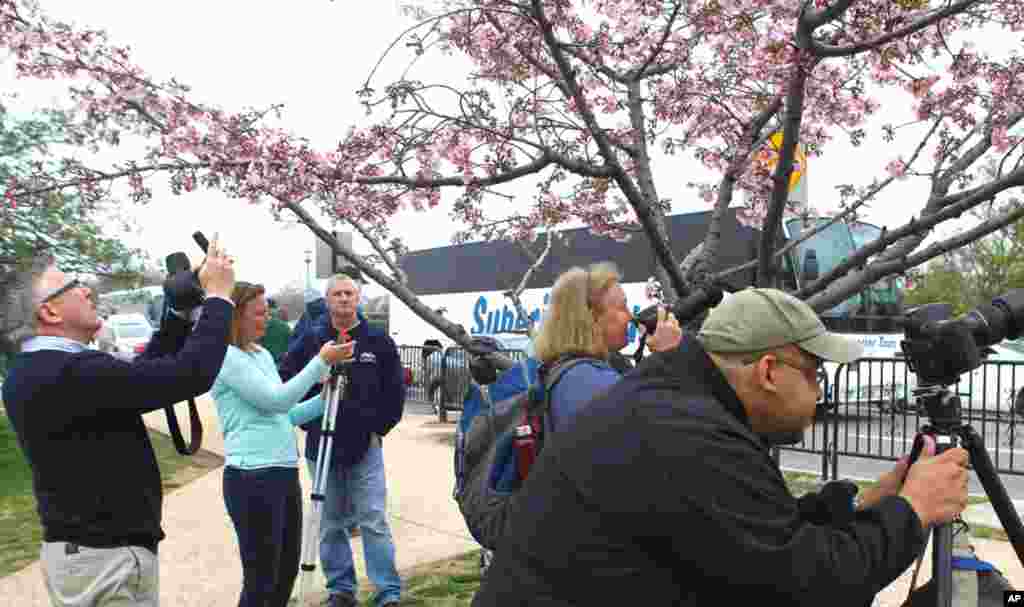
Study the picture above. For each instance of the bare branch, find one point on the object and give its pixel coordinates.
(958, 204)
(396, 269)
(874, 272)
(515, 293)
(783, 169)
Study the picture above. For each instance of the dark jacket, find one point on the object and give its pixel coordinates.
(308, 320)
(373, 399)
(78, 422)
(661, 493)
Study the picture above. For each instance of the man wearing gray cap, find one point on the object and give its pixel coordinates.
(665, 489)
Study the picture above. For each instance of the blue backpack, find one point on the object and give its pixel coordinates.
(499, 436)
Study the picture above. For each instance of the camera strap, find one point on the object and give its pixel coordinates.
(194, 423)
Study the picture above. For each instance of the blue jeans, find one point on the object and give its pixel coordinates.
(266, 507)
(357, 496)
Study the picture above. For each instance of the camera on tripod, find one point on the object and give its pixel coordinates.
(939, 349)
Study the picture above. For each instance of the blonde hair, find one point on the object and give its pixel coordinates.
(242, 294)
(570, 325)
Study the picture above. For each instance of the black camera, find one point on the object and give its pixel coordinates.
(685, 310)
(939, 349)
(182, 290)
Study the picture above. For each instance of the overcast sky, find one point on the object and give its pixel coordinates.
(312, 56)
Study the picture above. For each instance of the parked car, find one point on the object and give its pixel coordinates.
(124, 335)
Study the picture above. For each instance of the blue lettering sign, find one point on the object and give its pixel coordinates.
(479, 309)
(487, 321)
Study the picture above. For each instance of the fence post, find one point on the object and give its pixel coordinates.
(835, 421)
(442, 390)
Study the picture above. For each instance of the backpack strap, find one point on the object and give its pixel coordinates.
(535, 422)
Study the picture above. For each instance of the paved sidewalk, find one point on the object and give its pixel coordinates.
(199, 563)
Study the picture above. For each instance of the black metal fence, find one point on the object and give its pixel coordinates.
(869, 408)
(870, 411)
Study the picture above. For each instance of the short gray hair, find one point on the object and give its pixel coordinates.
(19, 302)
(340, 276)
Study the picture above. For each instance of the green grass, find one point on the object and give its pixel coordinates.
(447, 583)
(20, 532)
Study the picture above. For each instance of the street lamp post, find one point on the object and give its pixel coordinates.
(309, 259)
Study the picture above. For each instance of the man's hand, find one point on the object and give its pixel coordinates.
(667, 334)
(936, 486)
(332, 353)
(217, 274)
(891, 482)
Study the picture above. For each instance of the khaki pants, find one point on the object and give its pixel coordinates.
(78, 576)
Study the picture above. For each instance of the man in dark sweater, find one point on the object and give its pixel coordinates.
(355, 485)
(77, 415)
(665, 492)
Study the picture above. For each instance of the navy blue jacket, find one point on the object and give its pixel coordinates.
(78, 420)
(375, 395)
(312, 313)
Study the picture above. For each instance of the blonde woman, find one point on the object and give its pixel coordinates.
(588, 315)
(261, 475)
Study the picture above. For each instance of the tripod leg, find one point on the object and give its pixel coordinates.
(995, 490)
(311, 534)
(942, 543)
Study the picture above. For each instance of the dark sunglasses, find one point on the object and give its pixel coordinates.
(74, 283)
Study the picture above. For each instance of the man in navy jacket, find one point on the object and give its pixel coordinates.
(371, 406)
(77, 415)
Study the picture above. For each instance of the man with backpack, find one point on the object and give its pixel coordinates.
(664, 490)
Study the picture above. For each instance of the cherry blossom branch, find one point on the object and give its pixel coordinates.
(868, 196)
(643, 212)
(975, 153)
(456, 333)
(752, 139)
(640, 73)
(102, 176)
(819, 49)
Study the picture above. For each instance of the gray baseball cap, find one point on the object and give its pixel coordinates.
(754, 320)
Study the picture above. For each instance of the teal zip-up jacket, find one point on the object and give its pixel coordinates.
(253, 404)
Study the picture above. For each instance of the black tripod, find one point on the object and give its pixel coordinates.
(949, 431)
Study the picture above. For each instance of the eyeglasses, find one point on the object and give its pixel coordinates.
(74, 283)
(810, 373)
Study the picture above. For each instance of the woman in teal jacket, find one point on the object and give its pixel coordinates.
(261, 475)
